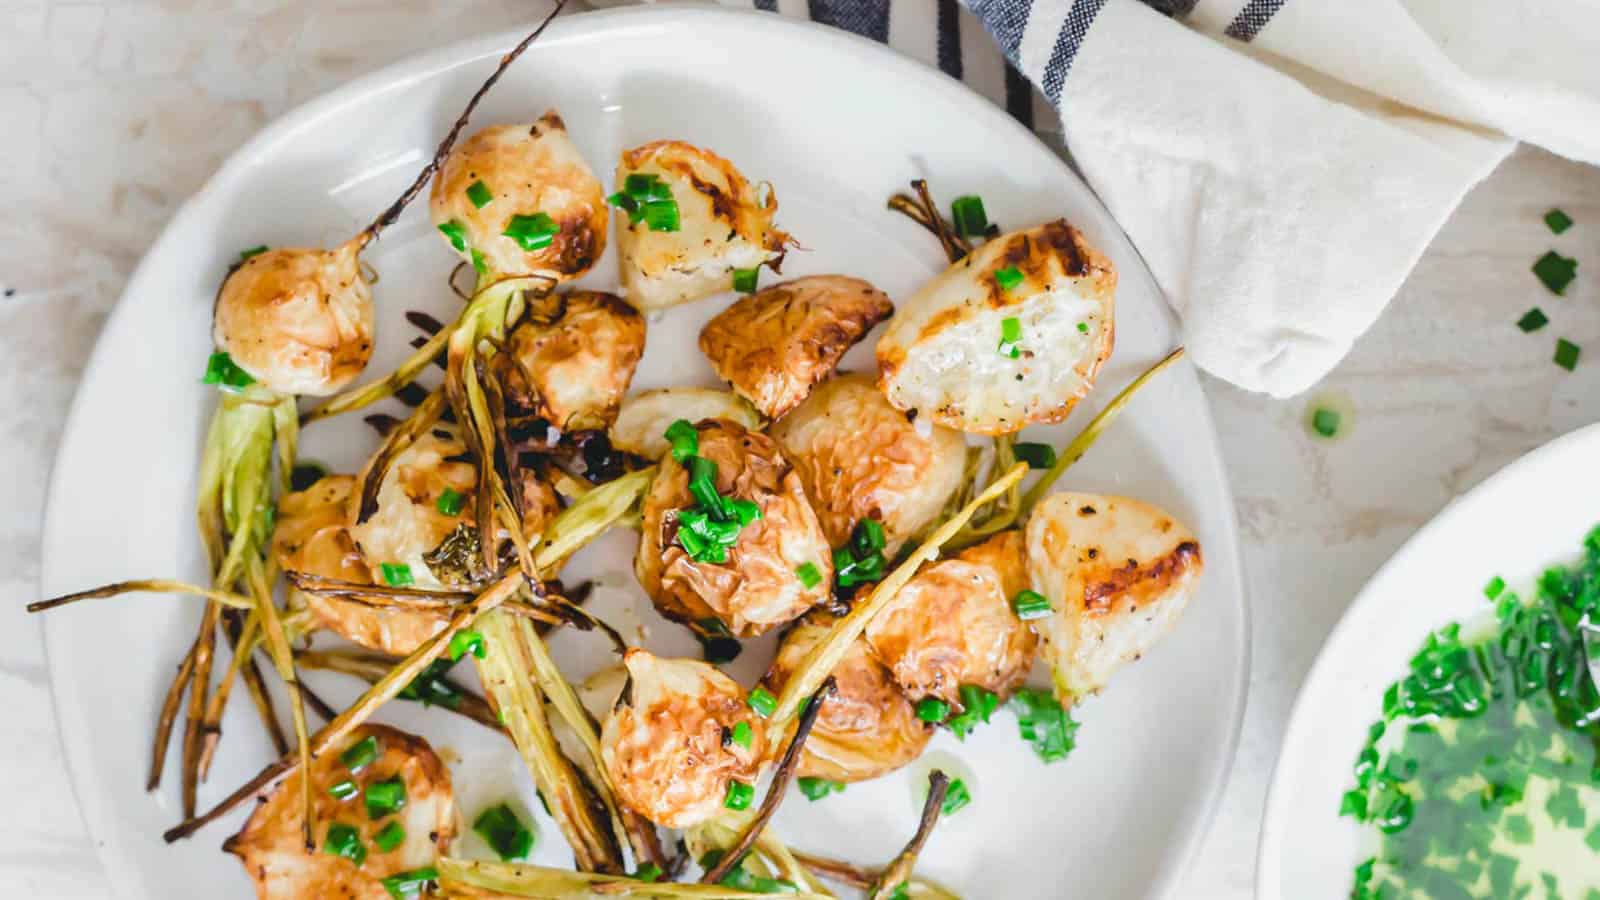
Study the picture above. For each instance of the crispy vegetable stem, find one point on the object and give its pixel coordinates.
(460, 878)
(922, 210)
(589, 517)
(898, 872)
(146, 586)
(1085, 439)
(385, 690)
(371, 668)
(825, 655)
(504, 670)
(169, 715)
(283, 660)
(776, 790)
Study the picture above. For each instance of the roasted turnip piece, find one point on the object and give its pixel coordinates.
(1012, 334)
(299, 321)
(642, 423)
(867, 728)
(722, 223)
(952, 625)
(756, 586)
(272, 848)
(520, 200)
(573, 370)
(1118, 573)
(859, 458)
(312, 536)
(402, 540)
(668, 744)
(773, 346)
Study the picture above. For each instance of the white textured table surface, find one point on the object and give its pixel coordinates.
(115, 112)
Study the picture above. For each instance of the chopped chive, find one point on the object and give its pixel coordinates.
(345, 840)
(480, 195)
(762, 701)
(222, 371)
(430, 688)
(744, 280)
(1044, 723)
(645, 186)
(739, 795)
(661, 215)
(867, 537)
(810, 576)
(478, 264)
(408, 885)
(390, 836)
(625, 203)
(649, 872)
(253, 251)
(1325, 422)
(1037, 456)
(932, 709)
(968, 216)
(449, 502)
(1010, 336)
(1533, 320)
(685, 440)
(456, 234)
(817, 788)
(1557, 220)
(344, 790)
(977, 705)
(1567, 354)
(1083, 327)
(467, 641)
(901, 891)
(956, 797)
(1029, 605)
(533, 232)
(503, 831)
(745, 511)
(1495, 586)
(396, 574)
(1008, 278)
(360, 754)
(1556, 271)
(385, 797)
(741, 734)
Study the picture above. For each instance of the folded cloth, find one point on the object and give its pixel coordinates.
(1280, 164)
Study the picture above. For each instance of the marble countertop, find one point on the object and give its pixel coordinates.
(116, 112)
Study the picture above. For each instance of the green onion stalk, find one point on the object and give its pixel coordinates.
(235, 511)
(894, 882)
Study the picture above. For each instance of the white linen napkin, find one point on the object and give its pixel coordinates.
(1280, 164)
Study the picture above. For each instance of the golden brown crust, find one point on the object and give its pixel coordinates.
(408, 524)
(299, 321)
(312, 536)
(529, 169)
(1118, 573)
(860, 458)
(725, 223)
(774, 345)
(939, 357)
(271, 846)
(953, 624)
(867, 728)
(757, 588)
(574, 371)
(667, 745)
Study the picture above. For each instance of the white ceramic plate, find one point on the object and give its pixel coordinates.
(1530, 515)
(836, 123)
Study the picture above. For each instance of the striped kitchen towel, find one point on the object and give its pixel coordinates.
(1280, 164)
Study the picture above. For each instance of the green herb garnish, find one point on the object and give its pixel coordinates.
(396, 574)
(1037, 456)
(449, 502)
(1567, 354)
(1030, 605)
(467, 641)
(1044, 723)
(253, 251)
(808, 573)
(817, 788)
(739, 795)
(968, 216)
(533, 232)
(1533, 320)
(744, 280)
(762, 701)
(1557, 220)
(455, 233)
(956, 797)
(1008, 278)
(361, 754)
(741, 734)
(390, 836)
(1325, 422)
(345, 840)
(222, 371)
(385, 797)
(932, 709)
(1010, 337)
(504, 832)
(977, 705)
(1556, 271)
(344, 790)
(408, 885)
(479, 194)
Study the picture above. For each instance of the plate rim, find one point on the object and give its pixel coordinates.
(1276, 807)
(879, 58)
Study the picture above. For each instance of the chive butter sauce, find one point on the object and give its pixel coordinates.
(1483, 777)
